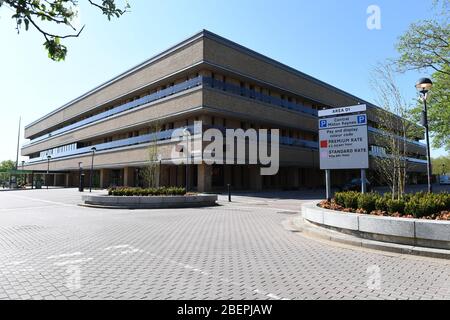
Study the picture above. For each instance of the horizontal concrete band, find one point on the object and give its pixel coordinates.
(150, 202)
(417, 232)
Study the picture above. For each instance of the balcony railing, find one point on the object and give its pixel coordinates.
(408, 159)
(382, 132)
(167, 135)
(206, 81)
(127, 106)
(242, 91)
(160, 136)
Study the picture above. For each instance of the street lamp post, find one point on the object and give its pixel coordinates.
(48, 169)
(187, 134)
(80, 177)
(24, 178)
(424, 85)
(93, 149)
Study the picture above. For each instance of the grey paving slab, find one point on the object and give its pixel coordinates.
(55, 249)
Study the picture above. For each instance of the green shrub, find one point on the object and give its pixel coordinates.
(124, 191)
(351, 200)
(419, 205)
(368, 201)
(380, 204)
(394, 206)
(339, 198)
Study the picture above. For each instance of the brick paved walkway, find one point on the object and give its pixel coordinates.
(50, 248)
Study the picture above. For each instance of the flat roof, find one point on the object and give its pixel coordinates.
(195, 37)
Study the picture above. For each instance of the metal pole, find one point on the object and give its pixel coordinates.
(328, 184)
(159, 173)
(229, 192)
(92, 171)
(187, 164)
(430, 187)
(48, 169)
(18, 141)
(363, 181)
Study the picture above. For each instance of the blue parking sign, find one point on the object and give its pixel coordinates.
(323, 123)
(362, 119)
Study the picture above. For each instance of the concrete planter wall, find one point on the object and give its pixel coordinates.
(151, 202)
(416, 232)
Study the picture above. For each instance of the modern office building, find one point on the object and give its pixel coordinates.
(205, 78)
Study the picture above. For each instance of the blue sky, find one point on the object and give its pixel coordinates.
(326, 39)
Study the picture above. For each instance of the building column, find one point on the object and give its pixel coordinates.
(293, 177)
(227, 172)
(256, 179)
(177, 176)
(104, 178)
(128, 177)
(204, 177)
(66, 180)
(55, 180)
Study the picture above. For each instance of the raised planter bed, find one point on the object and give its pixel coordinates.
(415, 232)
(149, 202)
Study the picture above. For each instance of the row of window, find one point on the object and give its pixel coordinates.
(244, 85)
(65, 148)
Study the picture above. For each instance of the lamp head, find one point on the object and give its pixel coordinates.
(424, 85)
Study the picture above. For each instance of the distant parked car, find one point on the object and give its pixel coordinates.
(355, 185)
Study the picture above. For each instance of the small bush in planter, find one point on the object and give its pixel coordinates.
(351, 200)
(168, 191)
(339, 198)
(367, 201)
(394, 206)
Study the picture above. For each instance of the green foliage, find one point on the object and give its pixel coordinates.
(350, 199)
(426, 46)
(441, 165)
(4, 166)
(419, 205)
(40, 13)
(367, 201)
(424, 204)
(339, 198)
(394, 206)
(161, 191)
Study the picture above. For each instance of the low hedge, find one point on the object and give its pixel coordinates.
(161, 191)
(418, 205)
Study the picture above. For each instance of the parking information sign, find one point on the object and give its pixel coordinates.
(343, 140)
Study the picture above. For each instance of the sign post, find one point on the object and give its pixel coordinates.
(343, 142)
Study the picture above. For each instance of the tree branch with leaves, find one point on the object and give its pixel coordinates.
(37, 13)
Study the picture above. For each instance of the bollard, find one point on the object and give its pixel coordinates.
(229, 192)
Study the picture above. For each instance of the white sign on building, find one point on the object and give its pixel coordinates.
(343, 141)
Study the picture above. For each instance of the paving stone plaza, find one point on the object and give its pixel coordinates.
(51, 248)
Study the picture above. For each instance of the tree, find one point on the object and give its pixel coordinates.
(42, 14)
(426, 46)
(151, 171)
(441, 165)
(5, 166)
(393, 119)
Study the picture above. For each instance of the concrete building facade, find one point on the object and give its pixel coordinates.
(205, 78)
